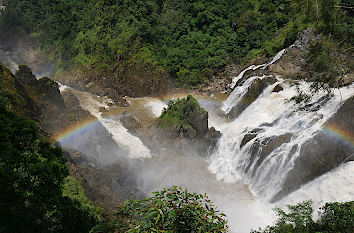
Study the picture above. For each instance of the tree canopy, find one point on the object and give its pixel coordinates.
(188, 39)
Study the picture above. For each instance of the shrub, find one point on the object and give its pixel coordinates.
(334, 217)
(179, 111)
(173, 210)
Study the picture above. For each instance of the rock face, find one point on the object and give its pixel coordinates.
(18, 98)
(89, 154)
(61, 114)
(252, 94)
(106, 186)
(324, 152)
(131, 123)
(189, 136)
(260, 149)
(132, 82)
(293, 64)
(278, 88)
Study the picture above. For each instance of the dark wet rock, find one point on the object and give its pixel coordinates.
(343, 120)
(131, 81)
(322, 153)
(131, 123)
(211, 139)
(248, 137)
(252, 94)
(270, 144)
(278, 88)
(199, 121)
(103, 109)
(260, 149)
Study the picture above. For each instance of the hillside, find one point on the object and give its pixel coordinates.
(130, 42)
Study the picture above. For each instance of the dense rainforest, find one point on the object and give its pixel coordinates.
(189, 40)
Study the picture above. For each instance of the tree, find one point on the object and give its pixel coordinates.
(334, 217)
(173, 210)
(328, 14)
(32, 172)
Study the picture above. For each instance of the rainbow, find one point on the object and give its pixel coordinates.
(76, 129)
(344, 134)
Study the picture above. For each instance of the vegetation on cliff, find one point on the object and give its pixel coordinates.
(179, 112)
(190, 40)
(32, 175)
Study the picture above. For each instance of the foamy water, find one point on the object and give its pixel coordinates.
(120, 134)
(273, 116)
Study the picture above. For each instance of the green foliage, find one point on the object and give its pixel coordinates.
(179, 111)
(73, 190)
(173, 210)
(337, 217)
(32, 172)
(333, 217)
(188, 39)
(323, 61)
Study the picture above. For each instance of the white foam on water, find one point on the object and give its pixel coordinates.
(334, 186)
(254, 67)
(62, 87)
(156, 106)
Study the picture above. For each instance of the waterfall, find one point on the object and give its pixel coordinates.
(120, 134)
(260, 146)
(254, 67)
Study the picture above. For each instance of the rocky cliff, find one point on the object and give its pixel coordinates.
(41, 100)
(182, 127)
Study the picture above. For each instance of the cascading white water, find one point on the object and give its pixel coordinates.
(120, 134)
(271, 115)
(336, 185)
(254, 67)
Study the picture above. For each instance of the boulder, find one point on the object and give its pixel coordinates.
(102, 109)
(131, 123)
(248, 137)
(278, 88)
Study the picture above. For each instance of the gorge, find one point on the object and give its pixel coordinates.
(249, 102)
(272, 153)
